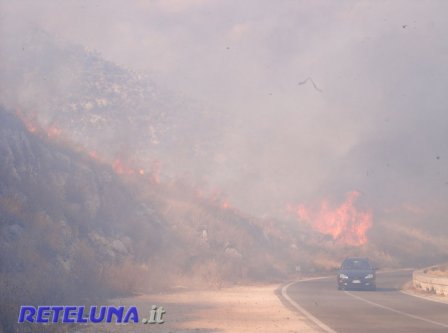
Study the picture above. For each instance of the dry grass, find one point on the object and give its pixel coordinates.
(440, 271)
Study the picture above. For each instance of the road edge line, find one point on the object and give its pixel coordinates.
(384, 307)
(301, 309)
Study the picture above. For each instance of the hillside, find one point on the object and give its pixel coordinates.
(74, 93)
(105, 190)
(73, 229)
(62, 231)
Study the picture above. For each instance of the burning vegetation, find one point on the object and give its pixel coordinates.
(345, 223)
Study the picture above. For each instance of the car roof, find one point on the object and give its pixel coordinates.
(357, 258)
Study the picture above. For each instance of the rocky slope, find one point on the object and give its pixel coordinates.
(112, 112)
(74, 230)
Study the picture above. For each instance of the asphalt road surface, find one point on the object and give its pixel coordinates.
(384, 310)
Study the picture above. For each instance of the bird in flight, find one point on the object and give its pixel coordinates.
(309, 78)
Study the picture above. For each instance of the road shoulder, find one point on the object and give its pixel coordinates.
(228, 310)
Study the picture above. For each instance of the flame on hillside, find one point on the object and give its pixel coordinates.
(30, 122)
(33, 125)
(225, 204)
(344, 223)
(53, 131)
(94, 155)
(214, 197)
(126, 167)
(121, 168)
(30, 125)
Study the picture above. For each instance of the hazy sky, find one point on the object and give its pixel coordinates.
(377, 121)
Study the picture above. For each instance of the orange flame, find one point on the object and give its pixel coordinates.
(30, 125)
(225, 204)
(93, 155)
(33, 126)
(30, 122)
(121, 168)
(214, 197)
(53, 131)
(344, 223)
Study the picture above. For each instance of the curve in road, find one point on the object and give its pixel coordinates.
(384, 310)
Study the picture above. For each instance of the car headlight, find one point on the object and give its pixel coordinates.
(369, 276)
(343, 276)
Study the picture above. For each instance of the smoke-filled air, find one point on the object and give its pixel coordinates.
(207, 143)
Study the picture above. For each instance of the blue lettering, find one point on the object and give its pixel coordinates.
(132, 312)
(43, 313)
(77, 314)
(92, 318)
(56, 311)
(69, 311)
(118, 312)
(27, 313)
(80, 313)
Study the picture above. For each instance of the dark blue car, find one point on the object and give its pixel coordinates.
(356, 273)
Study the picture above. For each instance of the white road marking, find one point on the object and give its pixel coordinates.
(329, 329)
(397, 311)
(302, 310)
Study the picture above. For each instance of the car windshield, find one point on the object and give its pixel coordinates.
(355, 264)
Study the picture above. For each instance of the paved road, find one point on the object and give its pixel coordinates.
(384, 310)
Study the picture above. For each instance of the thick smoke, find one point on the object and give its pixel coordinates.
(371, 116)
